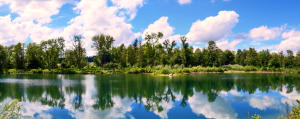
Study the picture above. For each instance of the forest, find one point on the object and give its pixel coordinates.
(141, 56)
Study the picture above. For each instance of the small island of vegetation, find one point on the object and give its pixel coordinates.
(142, 56)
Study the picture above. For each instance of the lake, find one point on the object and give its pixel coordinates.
(141, 96)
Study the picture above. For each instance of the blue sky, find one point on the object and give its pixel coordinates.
(233, 24)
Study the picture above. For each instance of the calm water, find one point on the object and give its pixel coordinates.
(219, 96)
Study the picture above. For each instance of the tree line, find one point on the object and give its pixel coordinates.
(51, 54)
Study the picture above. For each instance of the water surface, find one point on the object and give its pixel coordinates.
(219, 96)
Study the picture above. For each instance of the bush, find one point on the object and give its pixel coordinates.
(111, 65)
(10, 110)
(12, 71)
(36, 71)
(164, 71)
(250, 68)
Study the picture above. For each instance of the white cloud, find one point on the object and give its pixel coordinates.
(262, 103)
(225, 44)
(160, 25)
(39, 10)
(291, 42)
(97, 17)
(129, 5)
(265, 32)
(11, 32)
(219, 109)
(213, 28)
(184, 1)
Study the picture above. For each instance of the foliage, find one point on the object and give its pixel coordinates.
(10, 110)
(143, 55)
(256, 116)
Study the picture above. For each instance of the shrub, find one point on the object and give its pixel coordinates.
(250, 68)
(36, 71)
(10, 110)
(111, 65)
(12, 71)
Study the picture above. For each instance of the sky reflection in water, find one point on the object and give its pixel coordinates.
(220, 96)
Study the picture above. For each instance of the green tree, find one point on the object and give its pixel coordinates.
(150, 52)
(228, 57)
(274, 61)
(212, 54)
(34, 56)
(198, 57)
(70, 59)
(251, 57)
(185, 51)
(263, 58)
(3, 57)
(289, 60)
(297, 59)
(103, 44)
(238, 57)
(18, 56)
(53, 50)
(79, 52)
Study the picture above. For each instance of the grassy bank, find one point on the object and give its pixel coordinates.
(156, 70)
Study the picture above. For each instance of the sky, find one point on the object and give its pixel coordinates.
(233, 24)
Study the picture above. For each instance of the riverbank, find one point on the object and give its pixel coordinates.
(157, 70)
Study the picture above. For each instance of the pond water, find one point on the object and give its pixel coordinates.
(219, 96)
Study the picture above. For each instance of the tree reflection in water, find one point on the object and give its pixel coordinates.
(150, 90)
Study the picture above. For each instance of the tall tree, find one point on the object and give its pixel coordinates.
(263, 58)
(251, 57)
(212, 59)
(297, 59)
(289, 60)
(185, 51)
(34, 56)
(228, 57)
(103, 44)
(18, 55)
(3, 57)
(53, 50)
(150, 47)
(79, 52)
(238, 57)
(274, 61)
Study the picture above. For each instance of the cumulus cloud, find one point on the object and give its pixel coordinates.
(94, 17)
(225, 44)
(219, 109)
(97, 17)
(38, 10)
(184, 1)
(129, 5)
(213, 28)
(11, 32)
(265, 33)
(160, 25)
(291, 42)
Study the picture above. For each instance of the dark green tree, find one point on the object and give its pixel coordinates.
(34, 56)
(289, 60)
(79, 52)
(53, 50)
(297, 59)
(103, 44)
(3, 57)
(251, 57)
(228, 57)
(18, 56)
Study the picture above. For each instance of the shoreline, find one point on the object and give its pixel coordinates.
(153, 72)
